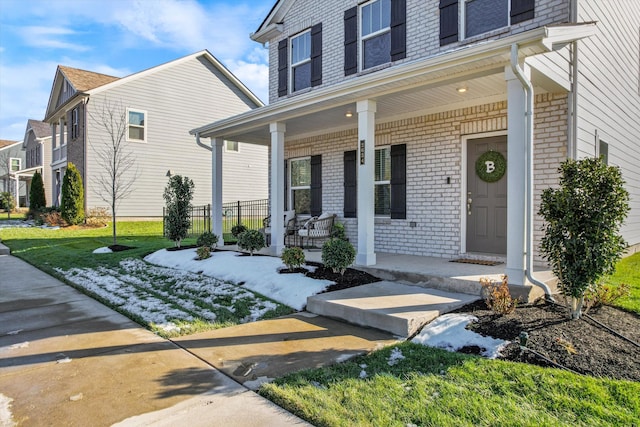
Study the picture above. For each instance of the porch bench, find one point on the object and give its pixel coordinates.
(289, 226)
(317, 228)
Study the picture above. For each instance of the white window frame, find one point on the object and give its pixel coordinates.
(11, 159)
(293, 65)
(463, 21)
(144, 127)
(229, 149)
(362, 39)
(382, 182)
(299, 187)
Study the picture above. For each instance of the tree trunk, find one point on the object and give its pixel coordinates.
(113, 218)
(576, 307)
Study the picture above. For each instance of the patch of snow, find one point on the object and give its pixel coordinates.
(16, 223)
(363, 374)
(65, 360)
(395, 356)
(6, 418)
(449, 332)
(19, 345)
(103, 250)
(257, 383)
(76, 397)
(345, 357)
(16, 332)
(257, 273)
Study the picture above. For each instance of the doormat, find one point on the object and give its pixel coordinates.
(476, 261)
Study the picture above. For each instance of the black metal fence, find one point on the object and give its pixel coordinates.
(248, 213)
(200, 217)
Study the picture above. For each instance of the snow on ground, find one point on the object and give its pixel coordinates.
(103, 250)
(16, 223)
(6, 419)
(448, 332)
(257, 273)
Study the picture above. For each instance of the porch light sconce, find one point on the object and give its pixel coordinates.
(461, 89)
(348, 114)
(169, 173)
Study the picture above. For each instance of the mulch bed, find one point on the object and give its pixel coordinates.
(579, 345)
(120, 248)
(349, 279)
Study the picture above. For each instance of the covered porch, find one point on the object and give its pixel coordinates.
(446, 98)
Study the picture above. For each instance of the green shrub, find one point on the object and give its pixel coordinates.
(178, 195)
(208, 239)
(37, 200)
(251, 240)
(293, 257)
(582, 222)
(7, 201)
(238, 229)
(203, 252)
(72, 199)
(338, 254)
(338, 232)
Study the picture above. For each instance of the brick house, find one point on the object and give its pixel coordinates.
(156, 108)
(408, 118)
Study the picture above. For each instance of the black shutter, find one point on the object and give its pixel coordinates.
(350, 184)
(522, 10)
(286, 185)
(398, 29)
(316, 55)
(316, 185)
(283, 67)
(351, 41)
(448, 21)
(399, 181)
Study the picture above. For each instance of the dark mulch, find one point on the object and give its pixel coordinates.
(580, 345)
(120, 248)
(181, 248)
(349, 279)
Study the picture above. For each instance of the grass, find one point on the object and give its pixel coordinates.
(433, 387)
(628, 272)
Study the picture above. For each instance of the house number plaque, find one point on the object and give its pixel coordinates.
(362, 151)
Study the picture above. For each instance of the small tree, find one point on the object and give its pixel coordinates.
(583, 218)
(251, 240)
(178, 195)
(7, 202)
(37, 199)
(338, 254)
(72, 200)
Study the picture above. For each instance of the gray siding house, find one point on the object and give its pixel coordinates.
(157, 108)
(12, 160)
(431, 127)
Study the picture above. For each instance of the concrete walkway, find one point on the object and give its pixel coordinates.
(66, 359)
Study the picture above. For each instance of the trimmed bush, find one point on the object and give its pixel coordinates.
(238, 229)
(293, 257)
(251, 241)
(178, 195)
(37, 200)
(72, 199)
(338, 231)
(203, 252)
(338, 254)
(208, 239)
(7, 201)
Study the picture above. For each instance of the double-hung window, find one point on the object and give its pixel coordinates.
(136, 124)
(15, 164)
(74, 123)
(301, 61)
(481, 16)
(300, 188)
(375, 33)
(382, 185)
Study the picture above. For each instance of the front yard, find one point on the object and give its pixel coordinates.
(406, 385)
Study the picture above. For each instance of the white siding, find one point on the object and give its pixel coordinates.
(245, 173)
(609, 93)
(176, 99)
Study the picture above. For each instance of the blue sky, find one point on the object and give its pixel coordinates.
(118, 37)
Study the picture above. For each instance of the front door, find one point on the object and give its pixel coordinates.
(486, 198)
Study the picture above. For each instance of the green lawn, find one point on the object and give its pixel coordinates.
(432, 387)
(628, 272)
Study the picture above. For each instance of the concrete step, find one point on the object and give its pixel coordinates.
(4, 250)
(389, 306)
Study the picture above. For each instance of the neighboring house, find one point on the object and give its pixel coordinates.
(391, 114)
(37, 153)
(12, 159)
(157, 107)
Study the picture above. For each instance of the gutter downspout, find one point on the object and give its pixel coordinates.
(528, 88)
(201, 144)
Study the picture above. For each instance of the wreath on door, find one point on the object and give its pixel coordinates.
(491, 166)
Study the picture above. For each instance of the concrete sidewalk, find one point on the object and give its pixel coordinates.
(66, 359)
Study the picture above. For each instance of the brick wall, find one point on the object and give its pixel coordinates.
(434, 153)
(423, 26)
(75, 146)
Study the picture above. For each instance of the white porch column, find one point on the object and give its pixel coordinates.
(366, 177)
(277, 186)
(216, 188)
(516, 178)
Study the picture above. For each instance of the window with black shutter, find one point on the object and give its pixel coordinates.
(448, 22)
(316, 185)
(399, 181)
(350, 185)
(522, 10)
(398, 29)
(316, 55)
(351, 41)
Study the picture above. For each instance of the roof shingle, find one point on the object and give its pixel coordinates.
(83, 80)
(40, 129)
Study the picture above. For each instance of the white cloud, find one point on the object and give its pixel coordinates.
(254, 76)
(50, 37)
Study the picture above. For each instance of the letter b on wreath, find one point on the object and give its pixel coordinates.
(491, 166)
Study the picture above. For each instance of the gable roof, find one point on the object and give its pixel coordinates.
(4, 143)
(40, 129)
(83, 80)
(272, 24)
(90, 83)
